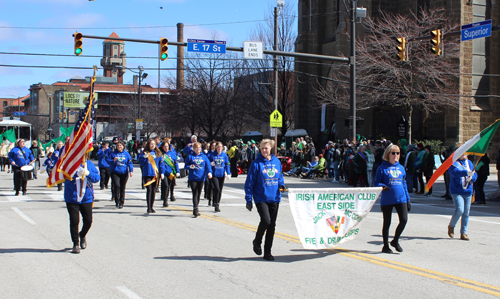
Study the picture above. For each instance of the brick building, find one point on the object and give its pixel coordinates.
(322, 29)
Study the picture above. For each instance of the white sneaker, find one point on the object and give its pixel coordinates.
(334, 181)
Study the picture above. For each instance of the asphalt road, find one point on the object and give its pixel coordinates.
(170, 254)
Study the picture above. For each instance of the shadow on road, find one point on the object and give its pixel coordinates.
(278, 258)
(29, 250)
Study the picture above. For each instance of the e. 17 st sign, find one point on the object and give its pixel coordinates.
(206, 46)
(476, 30)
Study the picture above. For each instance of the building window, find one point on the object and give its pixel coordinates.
(34, 100)
(481, 59)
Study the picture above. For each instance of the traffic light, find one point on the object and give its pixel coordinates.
(163, 48)
(65, 114)
(401, 48)
(436, 41)
(78, 43)
(60, 115)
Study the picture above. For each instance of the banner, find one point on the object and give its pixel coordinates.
(77, 99)
(327, 217)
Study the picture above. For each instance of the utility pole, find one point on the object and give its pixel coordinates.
(275, 71)
(141, 69)
(352, 61)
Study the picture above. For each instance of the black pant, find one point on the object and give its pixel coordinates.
(196, 188)
(234, 167)
(150, 191)
(402, 210)
(171, 183)
(427, 179)
(420, 179)
(364, 177)
(208, 189)
(479, 186)
(218, 184)
(165, 186)
(118, 184)
(74, 219)
(19, 182)
(268, 213)
(105, 174)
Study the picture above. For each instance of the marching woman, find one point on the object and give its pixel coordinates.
(79, 198)
(121, 166)
(168, 172)
(55, 158)
(462, 177)
(20, 156)
(49, 164)
(199, 169)
(264, 184)
(209, 185)
(391, 176)
(152, 169)
(171, 181)
(221, 168)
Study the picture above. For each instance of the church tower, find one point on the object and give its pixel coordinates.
(114, 59)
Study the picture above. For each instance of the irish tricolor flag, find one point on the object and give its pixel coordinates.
(475, 146)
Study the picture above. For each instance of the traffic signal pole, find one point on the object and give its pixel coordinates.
(235, 49)
(352, 62)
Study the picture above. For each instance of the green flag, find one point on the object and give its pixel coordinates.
(67, 131)
(10, 135)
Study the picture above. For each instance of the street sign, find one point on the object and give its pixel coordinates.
(206, 46)
(273, 132)
(276, 119)
(19, 113)
(476, 30)
(253, 50)
(138, 124)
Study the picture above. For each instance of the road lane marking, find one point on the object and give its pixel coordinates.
(450, 279)
(128, 292)
(24, 216)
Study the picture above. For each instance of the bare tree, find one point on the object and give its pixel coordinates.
(425, 81)
(262, 80)
(209, 99)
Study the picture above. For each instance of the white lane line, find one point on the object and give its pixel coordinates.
(24, 216)
(128, 292)
(472, 219)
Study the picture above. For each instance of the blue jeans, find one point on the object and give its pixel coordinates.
(409, 182)
(336, 170)
(462, 208)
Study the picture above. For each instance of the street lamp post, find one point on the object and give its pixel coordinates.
(141, 77)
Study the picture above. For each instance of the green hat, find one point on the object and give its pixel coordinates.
(253, 141)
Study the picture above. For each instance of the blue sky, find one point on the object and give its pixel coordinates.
(46, 27)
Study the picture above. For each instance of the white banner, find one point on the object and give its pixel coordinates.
(328, 217)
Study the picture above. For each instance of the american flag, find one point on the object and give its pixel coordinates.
(74, 151)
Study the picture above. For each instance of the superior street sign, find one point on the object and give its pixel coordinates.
(206, 46)
(476, 30)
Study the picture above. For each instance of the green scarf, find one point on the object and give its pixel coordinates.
(169, 162)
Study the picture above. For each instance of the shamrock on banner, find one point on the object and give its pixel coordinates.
(328, 217)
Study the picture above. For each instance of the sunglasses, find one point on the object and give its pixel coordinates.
(395, 153)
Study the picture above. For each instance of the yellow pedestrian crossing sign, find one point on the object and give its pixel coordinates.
(276, 119)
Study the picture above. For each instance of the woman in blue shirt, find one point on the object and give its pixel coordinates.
(199, 169)
(264, 184)
(221, 168)
(152, 168)
(121, 166)
(391, 176)
(462, 176)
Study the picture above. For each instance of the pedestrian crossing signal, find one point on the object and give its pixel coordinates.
(276, 119)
